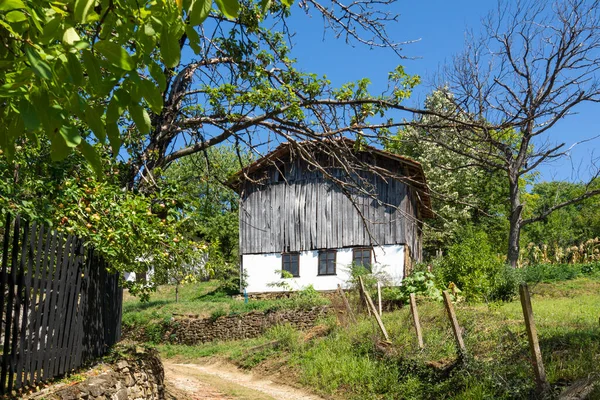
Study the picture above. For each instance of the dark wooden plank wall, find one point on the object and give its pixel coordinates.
(308, 212)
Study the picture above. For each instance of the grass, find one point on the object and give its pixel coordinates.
(204, 300)
(350, 362)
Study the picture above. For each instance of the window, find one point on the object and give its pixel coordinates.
(362, 256)
(291, 263)
(327, 262)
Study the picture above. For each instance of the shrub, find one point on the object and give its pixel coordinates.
(419, 282)
(471, 265)
(505, 285)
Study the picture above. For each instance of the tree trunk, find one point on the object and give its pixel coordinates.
(515, 219)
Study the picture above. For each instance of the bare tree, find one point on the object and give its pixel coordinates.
(536, 62)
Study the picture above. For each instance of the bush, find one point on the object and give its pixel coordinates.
(471, 265)
(558, 272)
(419, 282)
(505, 285)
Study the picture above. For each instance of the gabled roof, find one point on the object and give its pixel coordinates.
(414, 169)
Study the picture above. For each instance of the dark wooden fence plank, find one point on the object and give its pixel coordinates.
(60, 297)
(22, 354)
(4, 283)
(12, 277)
(17, 311)
(48, 274)
(70, 306)
(52, 316)
(35, 306)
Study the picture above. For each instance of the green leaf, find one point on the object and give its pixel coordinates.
(70, 36)
(193, 38)
(114, 137)
(71, 136)
(199, 11)
(29, 115)
(94, 121)
(58, 148)
(287, 3)
(39, 66)
(264, 6)
(169, 47)
(82, 9)
(92, 157)
(50, 28)
(116, 106)
(75, 70)
(115, 54)
(229, 8)
(92, 68)
(140, 118)
(15, 16)
(157, 73)
(152, 95)
(7, 5)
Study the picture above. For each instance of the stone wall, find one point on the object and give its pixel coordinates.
(235, 327)
(134, 374)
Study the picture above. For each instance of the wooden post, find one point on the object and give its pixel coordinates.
(348, 309)
(362, 294)
(415, 314)
(454, 323)
(534, 345)
(379, 298)
(374, 310)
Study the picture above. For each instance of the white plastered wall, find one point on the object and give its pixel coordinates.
(264, 270)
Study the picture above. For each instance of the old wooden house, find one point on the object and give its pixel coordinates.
(316, 222)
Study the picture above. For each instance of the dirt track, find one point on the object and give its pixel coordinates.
(217, 381)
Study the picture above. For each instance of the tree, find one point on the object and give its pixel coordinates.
(75, 71)
(462, 193)
(535, 64)
(212, 207)
(74, 75)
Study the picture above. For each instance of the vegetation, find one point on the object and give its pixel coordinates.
(351, 362)
(204, 300)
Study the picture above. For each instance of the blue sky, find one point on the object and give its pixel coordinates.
(439, 26)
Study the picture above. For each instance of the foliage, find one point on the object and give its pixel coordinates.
(470, 264)
(461, 192)
(77, 58)
(370, 277)
(419, 282)
(212, 207)
(566, 227)
(132, 231)
(558, 272)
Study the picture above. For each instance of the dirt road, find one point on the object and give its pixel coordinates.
(217, 381)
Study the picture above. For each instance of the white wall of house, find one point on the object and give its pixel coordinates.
(264, 270)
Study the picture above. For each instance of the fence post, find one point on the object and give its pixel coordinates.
(348, 309)
(534, 345)
(362, 294)
(454, 323)
(415, 314)
(379, 298)
(371, 306)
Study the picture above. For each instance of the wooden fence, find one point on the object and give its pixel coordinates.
(60, 308)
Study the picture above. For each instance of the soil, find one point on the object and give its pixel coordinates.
(220, 381)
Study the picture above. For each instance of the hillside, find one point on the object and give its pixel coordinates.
(352, 362)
